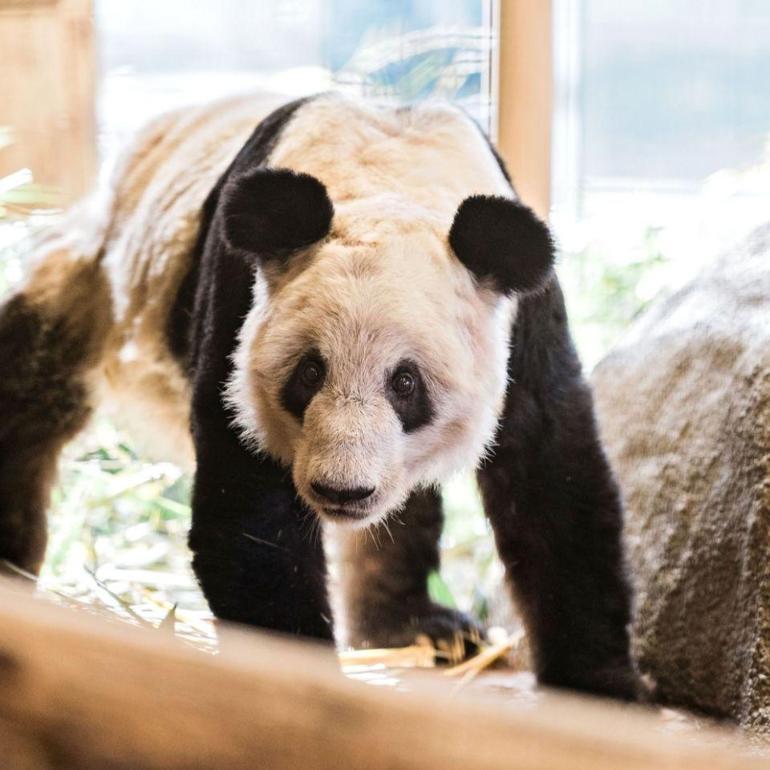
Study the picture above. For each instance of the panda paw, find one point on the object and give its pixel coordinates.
(454, 635)
(616, 679)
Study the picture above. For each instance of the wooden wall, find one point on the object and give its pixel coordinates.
(47, 72)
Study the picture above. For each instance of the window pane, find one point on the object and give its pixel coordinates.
(158, 55)
(662, 119)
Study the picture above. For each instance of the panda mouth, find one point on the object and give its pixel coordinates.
(354, 513)
(345, 514)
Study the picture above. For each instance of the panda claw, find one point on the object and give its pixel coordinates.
(453, 634)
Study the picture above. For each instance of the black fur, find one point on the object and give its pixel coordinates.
(555, 508)
(253, 547)
(273, 212)
(43, 403)
(502, 241)
(416, 410)
(297, 394)
(556, 511)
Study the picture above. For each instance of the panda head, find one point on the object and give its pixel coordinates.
(373, 359)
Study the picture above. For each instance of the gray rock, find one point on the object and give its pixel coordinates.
(684, 405)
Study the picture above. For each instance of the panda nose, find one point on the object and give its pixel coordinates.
(337, 495)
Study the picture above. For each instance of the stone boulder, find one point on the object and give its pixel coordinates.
(684, 407)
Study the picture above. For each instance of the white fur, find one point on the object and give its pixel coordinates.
(383, 287)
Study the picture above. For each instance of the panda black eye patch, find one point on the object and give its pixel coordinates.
(406, 391)
(305, 381)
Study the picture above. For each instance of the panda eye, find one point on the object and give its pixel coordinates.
(305, 381)
(403, 384)
(408, 395)
(311, 373)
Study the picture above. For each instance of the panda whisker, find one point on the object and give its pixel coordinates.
(261, 541)
(311, 529)
(372, 532)
(315, 530)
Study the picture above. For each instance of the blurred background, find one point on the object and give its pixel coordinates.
(641, 129)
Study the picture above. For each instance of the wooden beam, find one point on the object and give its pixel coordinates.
(79, 692)
(525, 94)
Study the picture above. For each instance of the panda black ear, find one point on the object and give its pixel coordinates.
(503, 241)
(271, 212)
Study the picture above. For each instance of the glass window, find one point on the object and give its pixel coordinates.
(155, 56)
(662, 119)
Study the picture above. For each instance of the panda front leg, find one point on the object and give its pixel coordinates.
(257, 552)
(383, 577)
(556, 514)
(51, 338)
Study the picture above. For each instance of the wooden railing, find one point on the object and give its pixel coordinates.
(79, 692)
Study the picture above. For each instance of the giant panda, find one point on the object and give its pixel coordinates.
(327, 308)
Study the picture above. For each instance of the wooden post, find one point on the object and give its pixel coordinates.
(525, 92)
(79, 692)
(47, 76)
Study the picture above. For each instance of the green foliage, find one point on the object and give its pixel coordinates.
(120, 518)
(470, 570)
(20, 196)
(605, 293)
(439, 591)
